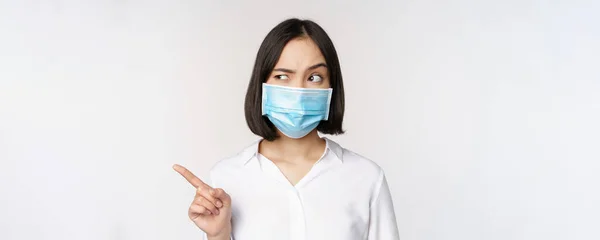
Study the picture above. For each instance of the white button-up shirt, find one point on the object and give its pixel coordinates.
(344, 196)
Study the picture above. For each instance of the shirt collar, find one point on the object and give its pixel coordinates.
(251, 151)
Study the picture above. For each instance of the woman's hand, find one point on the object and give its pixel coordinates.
(211, 208)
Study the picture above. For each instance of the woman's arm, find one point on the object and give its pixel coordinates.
(226, 236)
(382, 219)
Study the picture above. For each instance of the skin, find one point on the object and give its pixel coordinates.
(300, 65)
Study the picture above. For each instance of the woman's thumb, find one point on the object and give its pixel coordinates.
(223, 196)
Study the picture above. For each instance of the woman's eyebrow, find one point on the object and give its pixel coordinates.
(318, 65)
(284, 70)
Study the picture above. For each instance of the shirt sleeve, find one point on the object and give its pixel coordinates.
(382, 219)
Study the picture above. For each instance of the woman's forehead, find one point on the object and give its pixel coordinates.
(300, 52)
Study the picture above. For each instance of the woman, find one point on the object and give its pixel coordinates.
(293, 184)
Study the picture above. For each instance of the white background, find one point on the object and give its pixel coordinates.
(484, 114)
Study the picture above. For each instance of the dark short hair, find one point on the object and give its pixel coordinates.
(266, 58)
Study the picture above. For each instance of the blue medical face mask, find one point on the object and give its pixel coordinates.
(295, 111)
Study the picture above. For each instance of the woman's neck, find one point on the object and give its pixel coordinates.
(308, 147)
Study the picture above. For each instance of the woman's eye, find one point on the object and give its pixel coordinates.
(281, 77)
(315, 78)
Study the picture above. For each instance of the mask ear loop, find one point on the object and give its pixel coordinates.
(263, 99)
(330, 93)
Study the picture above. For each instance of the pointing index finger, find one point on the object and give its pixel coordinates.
(189, 176)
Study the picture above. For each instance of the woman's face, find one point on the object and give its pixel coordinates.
(300, 65)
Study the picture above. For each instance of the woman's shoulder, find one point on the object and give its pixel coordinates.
(360, 163)
(238, 159)
(355, 164)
